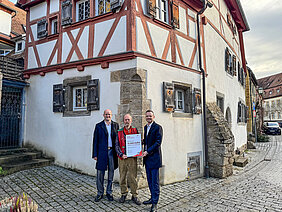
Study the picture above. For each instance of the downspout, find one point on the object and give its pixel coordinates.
(205, 5)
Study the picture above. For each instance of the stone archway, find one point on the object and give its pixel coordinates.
(228, 117)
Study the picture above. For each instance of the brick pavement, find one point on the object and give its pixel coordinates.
(257, 187)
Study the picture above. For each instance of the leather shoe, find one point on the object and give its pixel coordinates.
(110, 197)
(153, 208)
(98, 198)
(147, 202)
(136, 200)
(122, 198)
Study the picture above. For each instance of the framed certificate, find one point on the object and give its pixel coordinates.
(133, 145)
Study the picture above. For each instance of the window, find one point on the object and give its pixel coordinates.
(267, 105)
(272, 103)
(19, 46)
(82, 10)
(278, 90)
(79, 98)
(242, 113)
(4, 52)
(54, 26)
(42, 28)
(228, 61)
(179, 100)
(103, 6)
(161, 10)
(279, 115)
(178, 97)
(278, 103)
(273, 115)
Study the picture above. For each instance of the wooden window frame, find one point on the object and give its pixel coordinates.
(96, 7)
(161, 12)
(69, 85)
(82, 108)
(187, 100)
(50, 25)
(77, 10)
(177, 100)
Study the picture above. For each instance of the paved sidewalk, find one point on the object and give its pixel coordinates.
(58, 189)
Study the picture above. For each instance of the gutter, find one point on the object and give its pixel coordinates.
(206, 158)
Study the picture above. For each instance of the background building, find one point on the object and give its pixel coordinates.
(272, 97)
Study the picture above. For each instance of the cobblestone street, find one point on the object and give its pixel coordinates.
(257, 187)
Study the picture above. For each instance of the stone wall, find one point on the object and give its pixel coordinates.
(133, 100)
(220, 143)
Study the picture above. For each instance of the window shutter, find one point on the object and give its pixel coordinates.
(58, 98)
(246, 114)
(66, 12)
(42, 28)
(151, 7)
(188, 103)
(175, 15)
(197, 102)
(227, 60)
(168, 97)
(115, 4)
(93, 102)
(239, 112)
(242, 76)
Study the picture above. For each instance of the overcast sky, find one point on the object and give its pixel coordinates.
(263, 43)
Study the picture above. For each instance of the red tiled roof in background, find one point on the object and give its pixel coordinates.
(272, 86)
(18, 20)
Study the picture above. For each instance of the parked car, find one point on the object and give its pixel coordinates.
(272, 128)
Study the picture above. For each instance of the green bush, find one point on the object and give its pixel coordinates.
(2, 172)
(263, 138)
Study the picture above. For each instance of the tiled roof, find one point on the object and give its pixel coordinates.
(18, 21)
(272, 85)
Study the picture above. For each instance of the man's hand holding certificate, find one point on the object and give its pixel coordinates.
(133, 145)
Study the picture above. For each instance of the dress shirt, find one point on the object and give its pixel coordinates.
(149, 127)
(109, 129)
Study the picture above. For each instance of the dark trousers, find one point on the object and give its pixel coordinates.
(101, 175)
(153, 182)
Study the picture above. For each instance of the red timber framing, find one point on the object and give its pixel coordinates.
(130, 9)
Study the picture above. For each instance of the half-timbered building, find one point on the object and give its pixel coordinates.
(85, 56)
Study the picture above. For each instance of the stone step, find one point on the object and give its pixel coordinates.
(12, 151)
(19, 166)
(19, 157)
(240, 161)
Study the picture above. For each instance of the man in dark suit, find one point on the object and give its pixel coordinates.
(104, 153)
(152, 157)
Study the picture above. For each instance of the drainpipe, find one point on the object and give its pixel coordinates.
(205, 5)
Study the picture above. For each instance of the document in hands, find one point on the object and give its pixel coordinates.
(133, 145)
